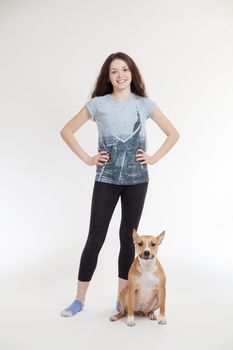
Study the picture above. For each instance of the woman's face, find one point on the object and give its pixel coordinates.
(119, 74)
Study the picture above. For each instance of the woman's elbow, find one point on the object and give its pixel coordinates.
(64, 131)
(175, 136)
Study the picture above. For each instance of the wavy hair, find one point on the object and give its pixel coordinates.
(104, 86)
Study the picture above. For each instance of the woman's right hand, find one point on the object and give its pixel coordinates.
(99, 159)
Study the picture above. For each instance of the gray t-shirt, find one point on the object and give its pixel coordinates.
(121, 128)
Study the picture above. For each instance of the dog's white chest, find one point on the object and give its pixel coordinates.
(147, 282)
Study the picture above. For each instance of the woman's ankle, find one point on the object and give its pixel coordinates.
(80, 299)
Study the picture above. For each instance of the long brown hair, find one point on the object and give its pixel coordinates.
(104, 86)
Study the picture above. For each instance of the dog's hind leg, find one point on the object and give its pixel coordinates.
(162, 318)
(123, 308)
(117, 316)
(121, 313)
(152, 315)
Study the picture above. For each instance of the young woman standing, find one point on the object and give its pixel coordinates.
(120, 107)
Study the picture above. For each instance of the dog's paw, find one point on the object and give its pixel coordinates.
(113, 318)
(162, 320)
(153, 316)
(130, 322)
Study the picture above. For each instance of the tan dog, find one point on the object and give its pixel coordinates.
(145, 291)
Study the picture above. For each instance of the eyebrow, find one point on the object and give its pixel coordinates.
(122, 67)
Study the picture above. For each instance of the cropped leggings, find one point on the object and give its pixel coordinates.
(104, 199)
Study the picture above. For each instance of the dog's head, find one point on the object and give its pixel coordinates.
(147, 246)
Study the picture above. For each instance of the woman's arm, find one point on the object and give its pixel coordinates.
(172, 137)
(67, 134)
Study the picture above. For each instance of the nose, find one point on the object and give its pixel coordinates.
(120, 74)
(146, 253)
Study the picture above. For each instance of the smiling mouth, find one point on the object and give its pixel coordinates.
(121, 81)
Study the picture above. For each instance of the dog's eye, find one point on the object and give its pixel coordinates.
(140, 244)
(153, 244)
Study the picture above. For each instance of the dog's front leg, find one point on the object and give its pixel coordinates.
(155, 302)
(162, 297)
(130, 319)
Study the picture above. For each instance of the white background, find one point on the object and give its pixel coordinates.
(51, 54)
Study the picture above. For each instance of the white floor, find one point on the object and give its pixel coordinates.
(199, 314)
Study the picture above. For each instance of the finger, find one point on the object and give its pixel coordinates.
(105, 157)
(140, 158)
(103, 160)
(140, 150)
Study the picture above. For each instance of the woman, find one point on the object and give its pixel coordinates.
(120, 107)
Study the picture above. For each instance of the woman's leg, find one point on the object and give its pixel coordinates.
(104, 199)
(82, 290)
(132, 203)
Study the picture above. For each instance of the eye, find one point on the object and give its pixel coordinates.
(140, 244)
(153, 244)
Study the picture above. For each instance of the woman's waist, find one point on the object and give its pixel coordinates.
(119, 147)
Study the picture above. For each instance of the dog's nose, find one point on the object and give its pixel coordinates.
(146, 252)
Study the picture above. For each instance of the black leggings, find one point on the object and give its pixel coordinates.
(104, 199)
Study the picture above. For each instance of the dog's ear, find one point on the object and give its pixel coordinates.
(160, 237)
(135, 235)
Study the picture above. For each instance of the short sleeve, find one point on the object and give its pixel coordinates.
(150, 107)
(92, 107)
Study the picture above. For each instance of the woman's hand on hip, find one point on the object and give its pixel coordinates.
(100, 158)
(143, 158)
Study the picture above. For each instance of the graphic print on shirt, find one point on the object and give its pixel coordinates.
(121, 129)
(123, 166)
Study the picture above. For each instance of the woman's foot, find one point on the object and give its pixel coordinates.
(75, 307)
(118, 305)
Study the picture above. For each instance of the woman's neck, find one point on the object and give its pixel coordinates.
(121, 95)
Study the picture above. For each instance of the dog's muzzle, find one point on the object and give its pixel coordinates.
(146, 255)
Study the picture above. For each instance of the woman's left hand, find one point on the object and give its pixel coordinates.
(143, 157)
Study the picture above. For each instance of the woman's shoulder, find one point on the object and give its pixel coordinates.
(147, 104)
(97, 100)
(144, 100)
(95, 105)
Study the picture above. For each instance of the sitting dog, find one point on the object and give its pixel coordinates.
(145, 291)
